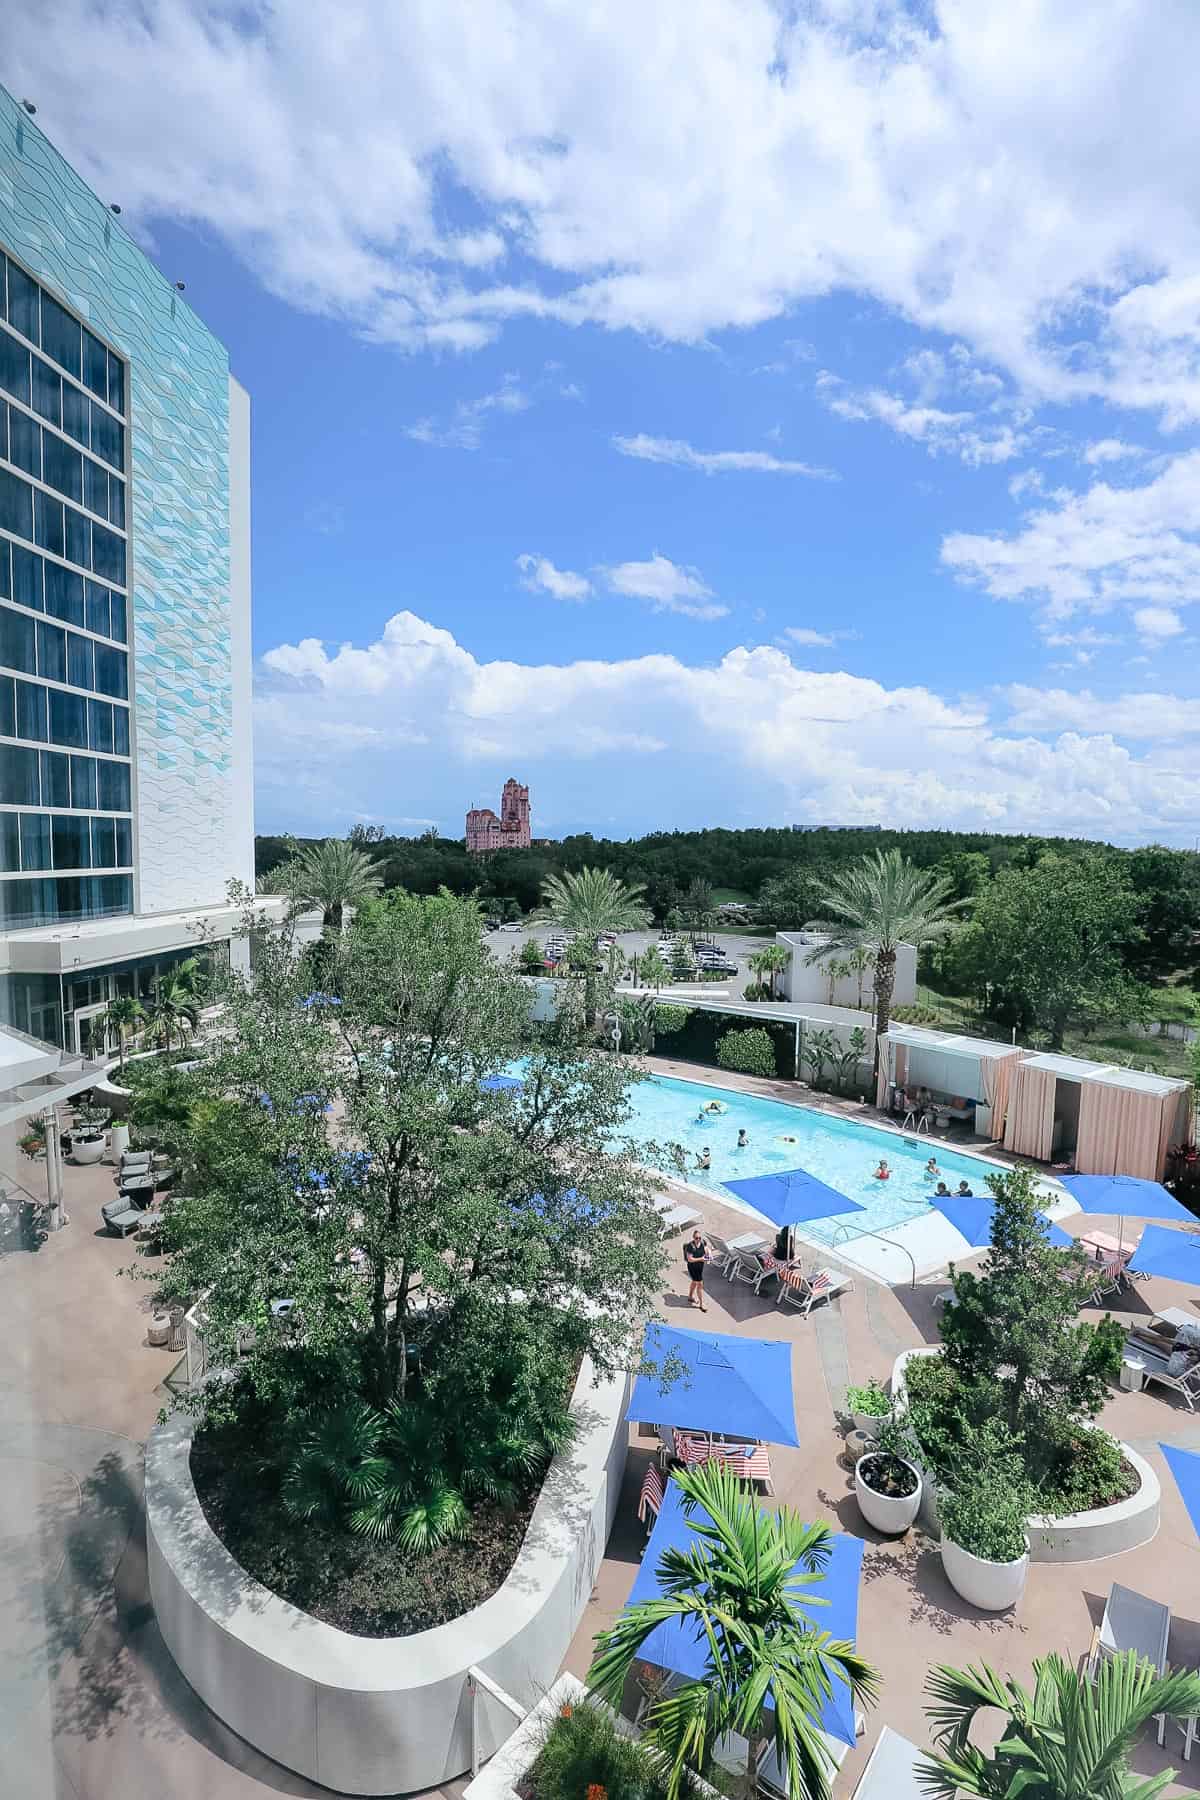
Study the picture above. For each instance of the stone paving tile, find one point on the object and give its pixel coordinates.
(80, 1389)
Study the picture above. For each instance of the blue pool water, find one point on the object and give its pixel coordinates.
(839, 1151)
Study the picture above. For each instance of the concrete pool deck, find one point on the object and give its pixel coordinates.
(908, 1252)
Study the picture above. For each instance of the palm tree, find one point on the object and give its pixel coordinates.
(123, 1015)
(877, 904)
(175, 1003)
(1067, 1740)
(770, 961)
(738, 1584)
(333, 875)
(593, 900)
(654, 969)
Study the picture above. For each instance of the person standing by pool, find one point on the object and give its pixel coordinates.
(695, 1255)
(704, 1160)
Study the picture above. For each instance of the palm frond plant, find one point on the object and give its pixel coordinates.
(331, 1460)
(771, 961)
(876, 905)
(174, 1007)
(332, 875)
(1069, 1738)
(591, 901)
(746, 1584)
(122, 1016)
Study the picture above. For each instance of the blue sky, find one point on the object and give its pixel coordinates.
(723, 414)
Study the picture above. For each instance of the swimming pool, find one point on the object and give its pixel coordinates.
(839, 1151)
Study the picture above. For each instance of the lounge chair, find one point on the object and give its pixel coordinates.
(1155, 1359)
(675, 1218)
(811, 1290)
(744, 1266)
(1132, 1622)
(120, 1218)
(722, 1255)
(891, 1772)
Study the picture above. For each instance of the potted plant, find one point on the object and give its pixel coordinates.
(87, 1134)
(887, 1485)
(985, 1549)
(867, 1406)
(32, 1141)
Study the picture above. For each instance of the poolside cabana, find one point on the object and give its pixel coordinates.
(970, 1078)
(1108, 1120)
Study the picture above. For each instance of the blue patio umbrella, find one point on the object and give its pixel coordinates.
(1175, 1254)
(1126, 1197)
(971, 1214)
(500, 1084)
(734, 1384)
(311, 1000)
(678, 1644)
(1185, 1467)
(792, 1197)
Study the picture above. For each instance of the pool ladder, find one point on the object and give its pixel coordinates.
(844, 1234)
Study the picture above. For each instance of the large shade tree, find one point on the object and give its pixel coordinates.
(345, 1157)
(876, 905)
(744, 1585)
(1069, 1738)
(591, 901)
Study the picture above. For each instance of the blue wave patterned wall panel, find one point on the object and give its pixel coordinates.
(179, 416)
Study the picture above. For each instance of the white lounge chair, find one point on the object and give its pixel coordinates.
(1155, 1361)
(722, 1255)
(1132, 1622)
(891, 1772)
(745, 1266)
(674, 1218)
(823, 1284)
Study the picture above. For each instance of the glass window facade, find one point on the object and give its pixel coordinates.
(66, 831)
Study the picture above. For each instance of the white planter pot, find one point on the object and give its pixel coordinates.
(868, 1423)
(991, 1586)
(885, 1512)
(87, 1149)
(118, 1143)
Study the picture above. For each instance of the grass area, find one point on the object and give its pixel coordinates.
(1162, 1055)
(732, 896)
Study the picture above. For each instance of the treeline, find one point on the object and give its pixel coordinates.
(782, 872)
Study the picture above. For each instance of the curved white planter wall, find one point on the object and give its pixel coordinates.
(380, 1715)
(1076, 1537)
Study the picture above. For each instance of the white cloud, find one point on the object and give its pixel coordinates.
(667, 585)
(805, 635)
(942, 433)
(751, 727)
(539, 575)
(1109, 450)
(714, 462)
(465, 430)
(1137, 544)
(1155, 624)
(571, 390)
(932, 158)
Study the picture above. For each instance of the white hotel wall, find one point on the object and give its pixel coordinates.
(807, 982)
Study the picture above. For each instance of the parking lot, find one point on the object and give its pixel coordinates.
(736, 945)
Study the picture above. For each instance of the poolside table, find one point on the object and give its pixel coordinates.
(1103, 1247)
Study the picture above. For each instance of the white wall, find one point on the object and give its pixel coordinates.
(380, 1715)
(807, 982)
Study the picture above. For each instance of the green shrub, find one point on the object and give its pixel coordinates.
(749, 1052)
(870, 1400)
(1088, 1470)
(669, 1018)
(986, 1516)
(584, 1750)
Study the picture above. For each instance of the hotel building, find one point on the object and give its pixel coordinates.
(125, 733)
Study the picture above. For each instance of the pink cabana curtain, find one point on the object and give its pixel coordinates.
(1122, 1131)
(997, 1073)
(1029, 1127)
(1175, 1127)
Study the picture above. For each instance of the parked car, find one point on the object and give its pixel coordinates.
(513, 925)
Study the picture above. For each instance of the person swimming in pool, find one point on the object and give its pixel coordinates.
(743, 1142)
(785, 1137)
(883, 1173)
(932, 1172)
(943, 1192)
(704, 1160)
(965, 1191)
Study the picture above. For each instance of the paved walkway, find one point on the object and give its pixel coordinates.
(91, 1706)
